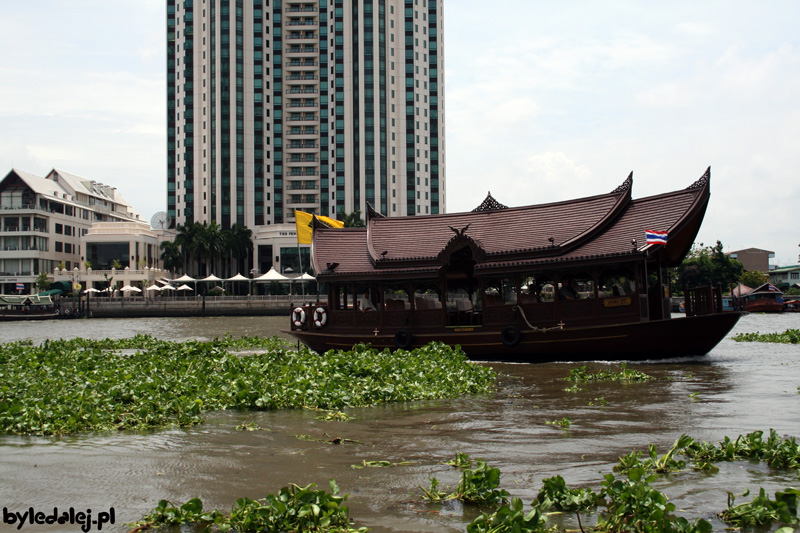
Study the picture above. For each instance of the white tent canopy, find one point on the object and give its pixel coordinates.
(210, 277)
(128, 288)
(153, 288)
(184, 287)
(238, 277)
(91, 290)
(272, 275)
(168, 288)
(185, 278)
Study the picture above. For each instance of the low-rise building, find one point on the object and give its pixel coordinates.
(785, 277)
(44, 219)
(754, 259)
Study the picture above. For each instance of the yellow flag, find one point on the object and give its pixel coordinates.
(304, 222)
(332, 222)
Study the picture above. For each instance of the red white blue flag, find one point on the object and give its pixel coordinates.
(20, 286)
(656, 237)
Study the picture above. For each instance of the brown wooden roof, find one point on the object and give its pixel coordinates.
(594, 229)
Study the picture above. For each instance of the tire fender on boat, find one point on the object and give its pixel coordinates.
(510, 335)
(298, 317)
(320, 317)
(403, 339)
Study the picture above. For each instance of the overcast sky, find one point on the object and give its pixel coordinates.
(545, 101)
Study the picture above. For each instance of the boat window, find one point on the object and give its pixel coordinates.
(616, 283)
(500, 292)
(341, 300)
(575, 286)
(536, 288)
(426, 298)
(367, 298)
(396, 299)
(460, 300)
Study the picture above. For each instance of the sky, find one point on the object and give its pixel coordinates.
(544, 101)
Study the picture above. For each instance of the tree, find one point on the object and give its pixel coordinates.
(239, 245)
(42, 283)
(351, 220)
(707, 264)
(753, 278)
(171, 256)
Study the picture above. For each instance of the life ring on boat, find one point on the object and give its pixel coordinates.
(510, 336)
(320, 317)
(298, 317)
(403, 339)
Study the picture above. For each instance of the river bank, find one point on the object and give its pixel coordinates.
(180, 306)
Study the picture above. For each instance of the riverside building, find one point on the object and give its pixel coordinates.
(45, 223)
(322, 106)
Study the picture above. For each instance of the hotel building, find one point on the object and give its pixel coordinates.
(67, 222)
(322, 106)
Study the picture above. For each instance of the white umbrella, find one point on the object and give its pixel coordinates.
(153, 288)
(306, 277)
(167, 288)
(185, 278)
(211, 277)
(238, 277)
(127, 288)
(91, 290)
(184, 287)
(272, 275)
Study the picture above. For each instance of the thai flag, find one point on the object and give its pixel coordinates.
(656, 237)
(773, 288)
(20, 286)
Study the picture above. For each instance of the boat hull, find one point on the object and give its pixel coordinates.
(657, 339)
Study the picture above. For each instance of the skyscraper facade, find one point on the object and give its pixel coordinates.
(323, 106)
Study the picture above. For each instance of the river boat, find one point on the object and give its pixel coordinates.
(766, 298)
(26, 307)
(571, 280)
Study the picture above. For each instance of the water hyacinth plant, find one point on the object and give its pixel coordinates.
(790, 336)
(294, 508)
(68, 386)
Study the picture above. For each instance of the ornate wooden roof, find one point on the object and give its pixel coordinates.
(592, 229)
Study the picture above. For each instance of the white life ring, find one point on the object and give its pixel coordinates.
(320, 317)
(298, 317)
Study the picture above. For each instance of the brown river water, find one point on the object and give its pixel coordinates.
(736, 389)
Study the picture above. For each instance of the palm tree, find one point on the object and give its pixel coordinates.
(351, 220)
(210, 244)
(188, 240)
(171, 256)
(239, 244)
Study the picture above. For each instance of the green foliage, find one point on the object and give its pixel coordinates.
(294, 508)
(42, 283)
(67, 386)
(557, 495)
(790, 336)
(707, 264)
(753, 278)
(624, 374)
(511, 518)
(762, 510)
(351, 220)
(633, 505)
(460, 460)
(564, 423)
(654, 463)
(775, 451)
(478, 486)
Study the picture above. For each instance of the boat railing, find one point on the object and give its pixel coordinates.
(705, 300)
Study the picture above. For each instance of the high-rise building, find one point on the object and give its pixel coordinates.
(323, 106)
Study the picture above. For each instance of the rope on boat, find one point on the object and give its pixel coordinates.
(535, 328)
